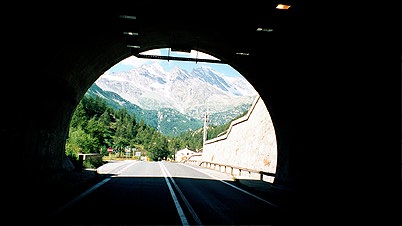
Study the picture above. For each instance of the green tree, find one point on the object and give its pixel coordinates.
(79, 117)
(78, 142)
(94, 106)
(158, 147)
(94, 131)
(105, 132)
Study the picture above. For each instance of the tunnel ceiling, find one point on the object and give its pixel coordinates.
(227, 31)
(75, 32)
(224, 31)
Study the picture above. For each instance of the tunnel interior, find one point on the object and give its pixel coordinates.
(73, 51)
(69, 49)
(312, 71)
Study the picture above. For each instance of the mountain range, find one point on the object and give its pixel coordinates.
(176, 101)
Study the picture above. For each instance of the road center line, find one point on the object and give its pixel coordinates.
(175, 200)
(189, 207)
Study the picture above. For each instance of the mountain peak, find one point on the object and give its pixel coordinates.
(179, 74)
(151, 87)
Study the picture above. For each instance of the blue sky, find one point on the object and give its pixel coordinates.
(132, 62)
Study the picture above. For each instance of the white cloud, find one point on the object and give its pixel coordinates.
(152, 52)
(201, 55)
(194, 54)
(136, 62)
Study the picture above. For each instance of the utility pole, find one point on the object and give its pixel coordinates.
(206, 120)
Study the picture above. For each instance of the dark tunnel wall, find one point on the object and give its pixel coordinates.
(67, 55)
(66, 52)
(316, 75)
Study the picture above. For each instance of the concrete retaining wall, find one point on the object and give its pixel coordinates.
(250, 142)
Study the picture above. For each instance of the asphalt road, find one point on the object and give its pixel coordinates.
(164, 193)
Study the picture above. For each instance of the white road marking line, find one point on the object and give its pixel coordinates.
(81, 196)
(76, 199)
(189, 207)
(175, 200)
(242, 190)
(124, 168)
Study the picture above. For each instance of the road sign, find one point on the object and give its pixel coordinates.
(110, 150)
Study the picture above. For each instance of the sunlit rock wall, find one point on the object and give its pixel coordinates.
(250, 142)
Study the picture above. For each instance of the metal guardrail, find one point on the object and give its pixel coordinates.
(230, 167)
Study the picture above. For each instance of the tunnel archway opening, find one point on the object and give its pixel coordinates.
(258, 152)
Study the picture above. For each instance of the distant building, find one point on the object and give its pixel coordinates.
(183, 154)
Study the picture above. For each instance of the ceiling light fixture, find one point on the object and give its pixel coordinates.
(131, 33)
(243, 54)
(265, 29)
(133, 46)
(282, 6)
(128, 17)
